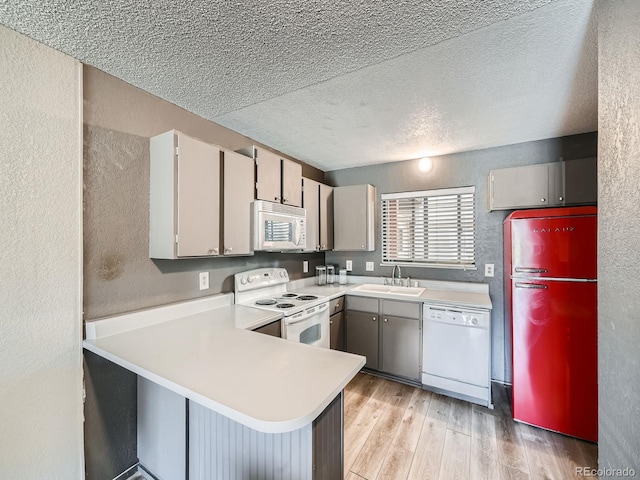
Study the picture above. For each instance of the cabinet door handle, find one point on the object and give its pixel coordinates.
(386, 320)
(277, 199)
(560, 198)
(228, 250)
(543, 199)
(374, 319)
(330, 322)
(285, 200)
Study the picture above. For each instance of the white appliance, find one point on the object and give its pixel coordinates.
(306, 317)
(456, 352)
(278, 227)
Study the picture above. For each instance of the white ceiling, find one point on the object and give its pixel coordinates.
(339, 84)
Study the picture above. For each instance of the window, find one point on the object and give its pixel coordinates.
(432, 228)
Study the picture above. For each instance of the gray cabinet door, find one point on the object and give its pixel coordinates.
(274, 329)
(326, 217)
(519, 187)
(310, 197)
(336, 331)
(401, 347)
(291, 183)
(239, 190)
(354, 217)
(362, 336)
(268, 175)
(580, 181)
(198, 198)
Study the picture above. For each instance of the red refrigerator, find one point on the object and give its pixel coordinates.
(551, 301)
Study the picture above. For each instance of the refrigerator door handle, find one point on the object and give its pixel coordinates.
(530, 270)
(530, 285)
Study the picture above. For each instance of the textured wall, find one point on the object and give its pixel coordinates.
(462, 169)
(619, 230)
(40, 320)
(118, 274)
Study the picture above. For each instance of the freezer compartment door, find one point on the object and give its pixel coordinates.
(555, 377)
(559, 247)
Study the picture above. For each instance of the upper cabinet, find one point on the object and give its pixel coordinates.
(354, 218)
(571, 182)
(278, 180)
(184, 219)
(311, 203)
(317, 199)
(326, 217)
(291, 182)
(238, 194)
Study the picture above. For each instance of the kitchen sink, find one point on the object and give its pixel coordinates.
(390, 289)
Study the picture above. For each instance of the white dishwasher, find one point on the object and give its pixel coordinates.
(456, 352)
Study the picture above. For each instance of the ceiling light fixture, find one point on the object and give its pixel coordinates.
(425, 165)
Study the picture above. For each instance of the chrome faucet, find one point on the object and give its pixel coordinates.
(393, 275)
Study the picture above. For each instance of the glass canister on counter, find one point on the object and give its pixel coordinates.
(331, 274)
(321, 275)
(342, 276)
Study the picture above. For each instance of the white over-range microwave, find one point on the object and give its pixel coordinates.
(278, 227)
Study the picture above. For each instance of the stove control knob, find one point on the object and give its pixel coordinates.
(474, 321)
(250, 280)
(243, 280)
(281, 274)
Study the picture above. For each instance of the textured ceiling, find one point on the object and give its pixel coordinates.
(338, 84)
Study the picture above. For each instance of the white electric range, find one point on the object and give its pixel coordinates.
(306, 317)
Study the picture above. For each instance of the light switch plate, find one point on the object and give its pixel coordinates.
(305, 266)
(488, 269)
(204, 280)
(349, 265)
(369, 266)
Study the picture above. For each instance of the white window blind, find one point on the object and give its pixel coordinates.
(432, 228)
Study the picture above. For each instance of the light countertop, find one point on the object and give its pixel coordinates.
(269, 384)
(466, 294)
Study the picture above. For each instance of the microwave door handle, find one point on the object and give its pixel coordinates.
(296, 232)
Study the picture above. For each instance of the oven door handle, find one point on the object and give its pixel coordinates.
(317, 309)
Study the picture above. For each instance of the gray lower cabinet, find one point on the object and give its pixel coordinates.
(274, 329)
(401, 346)
(388, 333)
(337, 338)
(362, 336)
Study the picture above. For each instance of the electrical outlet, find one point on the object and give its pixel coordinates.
(204, 280)
(369, 266)
(305, 266)
(488, 269)
(349, 265)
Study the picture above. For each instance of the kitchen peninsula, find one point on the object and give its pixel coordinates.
(256, 406)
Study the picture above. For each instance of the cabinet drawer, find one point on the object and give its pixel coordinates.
(336, 305)
(362, 304)
(401, 309)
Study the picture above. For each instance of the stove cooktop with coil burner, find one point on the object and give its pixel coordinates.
(266, 288)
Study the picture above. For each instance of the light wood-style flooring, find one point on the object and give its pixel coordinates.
(394, 431)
